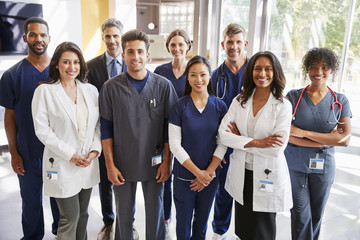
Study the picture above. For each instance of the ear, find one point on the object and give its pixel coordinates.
(246, 43)
(123, 56)
(24, 38)
(222, 45)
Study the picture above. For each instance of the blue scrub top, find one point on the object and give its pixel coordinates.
(198, 131)
(17, 87)
(165, 70)
(314, 118)
(233, 83)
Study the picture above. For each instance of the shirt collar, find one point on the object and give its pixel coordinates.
(110, 58)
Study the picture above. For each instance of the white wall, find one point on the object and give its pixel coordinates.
(64, 19)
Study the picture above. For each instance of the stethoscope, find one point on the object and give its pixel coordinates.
(332, 106)
(221, 80)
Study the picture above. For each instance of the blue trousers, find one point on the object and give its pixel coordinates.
(105, 192)
(223, 203)
(154, 211)
(167, 198)
(310, 193)
(32, 218)
(192, 206)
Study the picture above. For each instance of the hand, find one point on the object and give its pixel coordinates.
(90, 157)
(115, 176)
(223, 161)
(270, 141)
(17, 164)
(204, 177)
(79, 161)
(296, 132)
(163, 172)
(233, 128)
(196, 185)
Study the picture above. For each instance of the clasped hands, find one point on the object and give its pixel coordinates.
(83, 162)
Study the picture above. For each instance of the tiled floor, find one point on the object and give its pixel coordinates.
(341, 220)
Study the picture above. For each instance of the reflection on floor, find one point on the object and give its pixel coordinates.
(341, 220)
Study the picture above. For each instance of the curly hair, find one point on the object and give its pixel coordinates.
(316, 55)
(277, 85)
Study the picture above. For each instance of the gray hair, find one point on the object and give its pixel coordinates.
(232, 29)
(112, 22)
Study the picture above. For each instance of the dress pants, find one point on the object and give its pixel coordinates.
(154, 210)
(74, 216)
(223, 202)
(193, 209)
(105, 192)
(251, 225)
(310, 193)
(32, 218)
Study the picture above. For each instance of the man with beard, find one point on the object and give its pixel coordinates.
(101, 68)
(17, 86)
(227, 82)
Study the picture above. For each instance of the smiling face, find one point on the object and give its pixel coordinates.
(234, 46)
(135, 56)
(198, 77)
(178, 47)
(263, 72)
(112, 39)
(319, 72)
(37, 38)
(68, 66)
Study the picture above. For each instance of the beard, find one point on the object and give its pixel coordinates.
(37, 52)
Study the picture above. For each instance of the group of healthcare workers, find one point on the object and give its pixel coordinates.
(282, 146)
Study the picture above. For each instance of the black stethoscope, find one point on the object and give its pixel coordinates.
(332, 106)
(221, 80)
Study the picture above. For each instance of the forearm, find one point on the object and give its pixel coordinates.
(189, 165)
(213, 164)
(108, 149)
(167, 154)
(304, 142)
(11, 130)
(327, 139)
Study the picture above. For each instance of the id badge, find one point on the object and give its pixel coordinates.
(156, 160)
(266, 186)
(316, 163)
(52, 175)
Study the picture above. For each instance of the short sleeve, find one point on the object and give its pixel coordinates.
(7, 91)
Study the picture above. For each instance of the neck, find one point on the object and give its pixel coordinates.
(199, 96)
(179, 63)
(317, 87)
(138, 75)
(114, 55)
(39, 61)
(235, 66)
(68, 83)
(261, 93)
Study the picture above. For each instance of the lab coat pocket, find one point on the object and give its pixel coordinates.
(156, 110)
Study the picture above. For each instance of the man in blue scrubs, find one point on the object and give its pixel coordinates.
(101, 68)
(134, 108)
(17, 86)
(227, 82)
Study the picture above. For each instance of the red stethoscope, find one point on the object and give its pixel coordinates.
(332, 106)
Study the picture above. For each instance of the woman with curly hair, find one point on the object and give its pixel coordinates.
(257, 127)
(321, 120)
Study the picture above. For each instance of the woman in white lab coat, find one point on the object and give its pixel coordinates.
(257, 127)
(66, 120)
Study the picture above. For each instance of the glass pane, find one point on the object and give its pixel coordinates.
(351, 79)
(234, 11)
(297, 25)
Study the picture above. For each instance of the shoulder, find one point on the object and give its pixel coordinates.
(220, 104)
(88, 87)
(159, 79)
(162, 67)
(96, 60)
(15, 69)
(216, 72)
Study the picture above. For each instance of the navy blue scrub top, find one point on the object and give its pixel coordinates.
(198, 131)
(165, 70)
(314, 118)
(17, 87)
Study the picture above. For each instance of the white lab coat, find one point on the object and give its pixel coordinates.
(274, 118)
(56, 127)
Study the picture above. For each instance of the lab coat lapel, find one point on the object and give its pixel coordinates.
(60, 94)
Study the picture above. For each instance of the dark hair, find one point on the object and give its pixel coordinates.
(112, 22)
(54, 74)
(133, 35)
(277, 85)
(316, 55)
(232, 29)
(35, 20)
(194, 60)
(181, 33)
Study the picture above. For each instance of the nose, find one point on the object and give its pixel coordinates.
(71, 65)
(262, 72)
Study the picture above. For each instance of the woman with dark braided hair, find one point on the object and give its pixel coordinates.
(321, 120)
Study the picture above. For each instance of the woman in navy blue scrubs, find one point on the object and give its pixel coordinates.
(318, 125)
(178, 45)
(193, 126)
